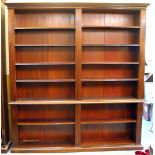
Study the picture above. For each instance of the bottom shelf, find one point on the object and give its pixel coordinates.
(57, 135)
(108, 134)
(114, 141)
(47, 144)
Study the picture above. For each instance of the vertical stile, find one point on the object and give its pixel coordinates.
(14, 127)
(13, 94)
(78, 43)
(140, 89)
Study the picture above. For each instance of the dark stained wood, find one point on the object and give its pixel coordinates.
(110, 63)
(44, 37)
(109, 71)
(92, 101)
(44, 28)
(98, 90)
(56, 134)
(47, 64)
(44, 123)
(14, 127)
(44, 45)
(78, 125)
(110, 121)
(45, 81)
(110, 54)
(46, 90)
(77, 73)
(44, 72)
(56, 19)
(45, 54)
(110, 18)
(78, 50)
(110, 45)
(44, 113)
(108, 80)
(139, 122)
(48, 5)
(12, 56)
(106, 133)
(109, 27)
(140, 89)
(69, 148)
(109, 36)
(115, 141)
(140, 92)
(108, 112)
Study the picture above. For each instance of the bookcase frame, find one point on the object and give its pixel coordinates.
(76, 85)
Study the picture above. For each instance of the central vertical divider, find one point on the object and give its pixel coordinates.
(78, 49)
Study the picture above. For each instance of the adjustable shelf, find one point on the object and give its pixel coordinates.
(108, 80)
(110, 121)
(45, 28)
(44, 123)
(45, 81)
(110, 63)
(109, 27)
(44, 45)
(45, 64)
(72, 102)
(115, 141)
(110, 45)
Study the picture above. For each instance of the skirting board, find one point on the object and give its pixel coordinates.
(26, 149)
(6, 148)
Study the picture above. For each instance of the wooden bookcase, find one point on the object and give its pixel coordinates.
(76, 76)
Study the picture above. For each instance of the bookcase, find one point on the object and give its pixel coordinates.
(76, 75)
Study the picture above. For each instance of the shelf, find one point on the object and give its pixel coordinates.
(72, 27)
(45, 81)
(88, 101)
(45, 28)
(43, 145)
(109, 27)
(116, 121)
(111, 45)
(112, 141)
(72, 123)
(73, 63)
(110, 63)
(108, 80)
(72, 45)
(44, 45)
(45, 64)
(44, 123)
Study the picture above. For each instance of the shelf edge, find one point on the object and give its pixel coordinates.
(59, 102)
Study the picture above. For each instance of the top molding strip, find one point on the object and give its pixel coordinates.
(38, 5)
